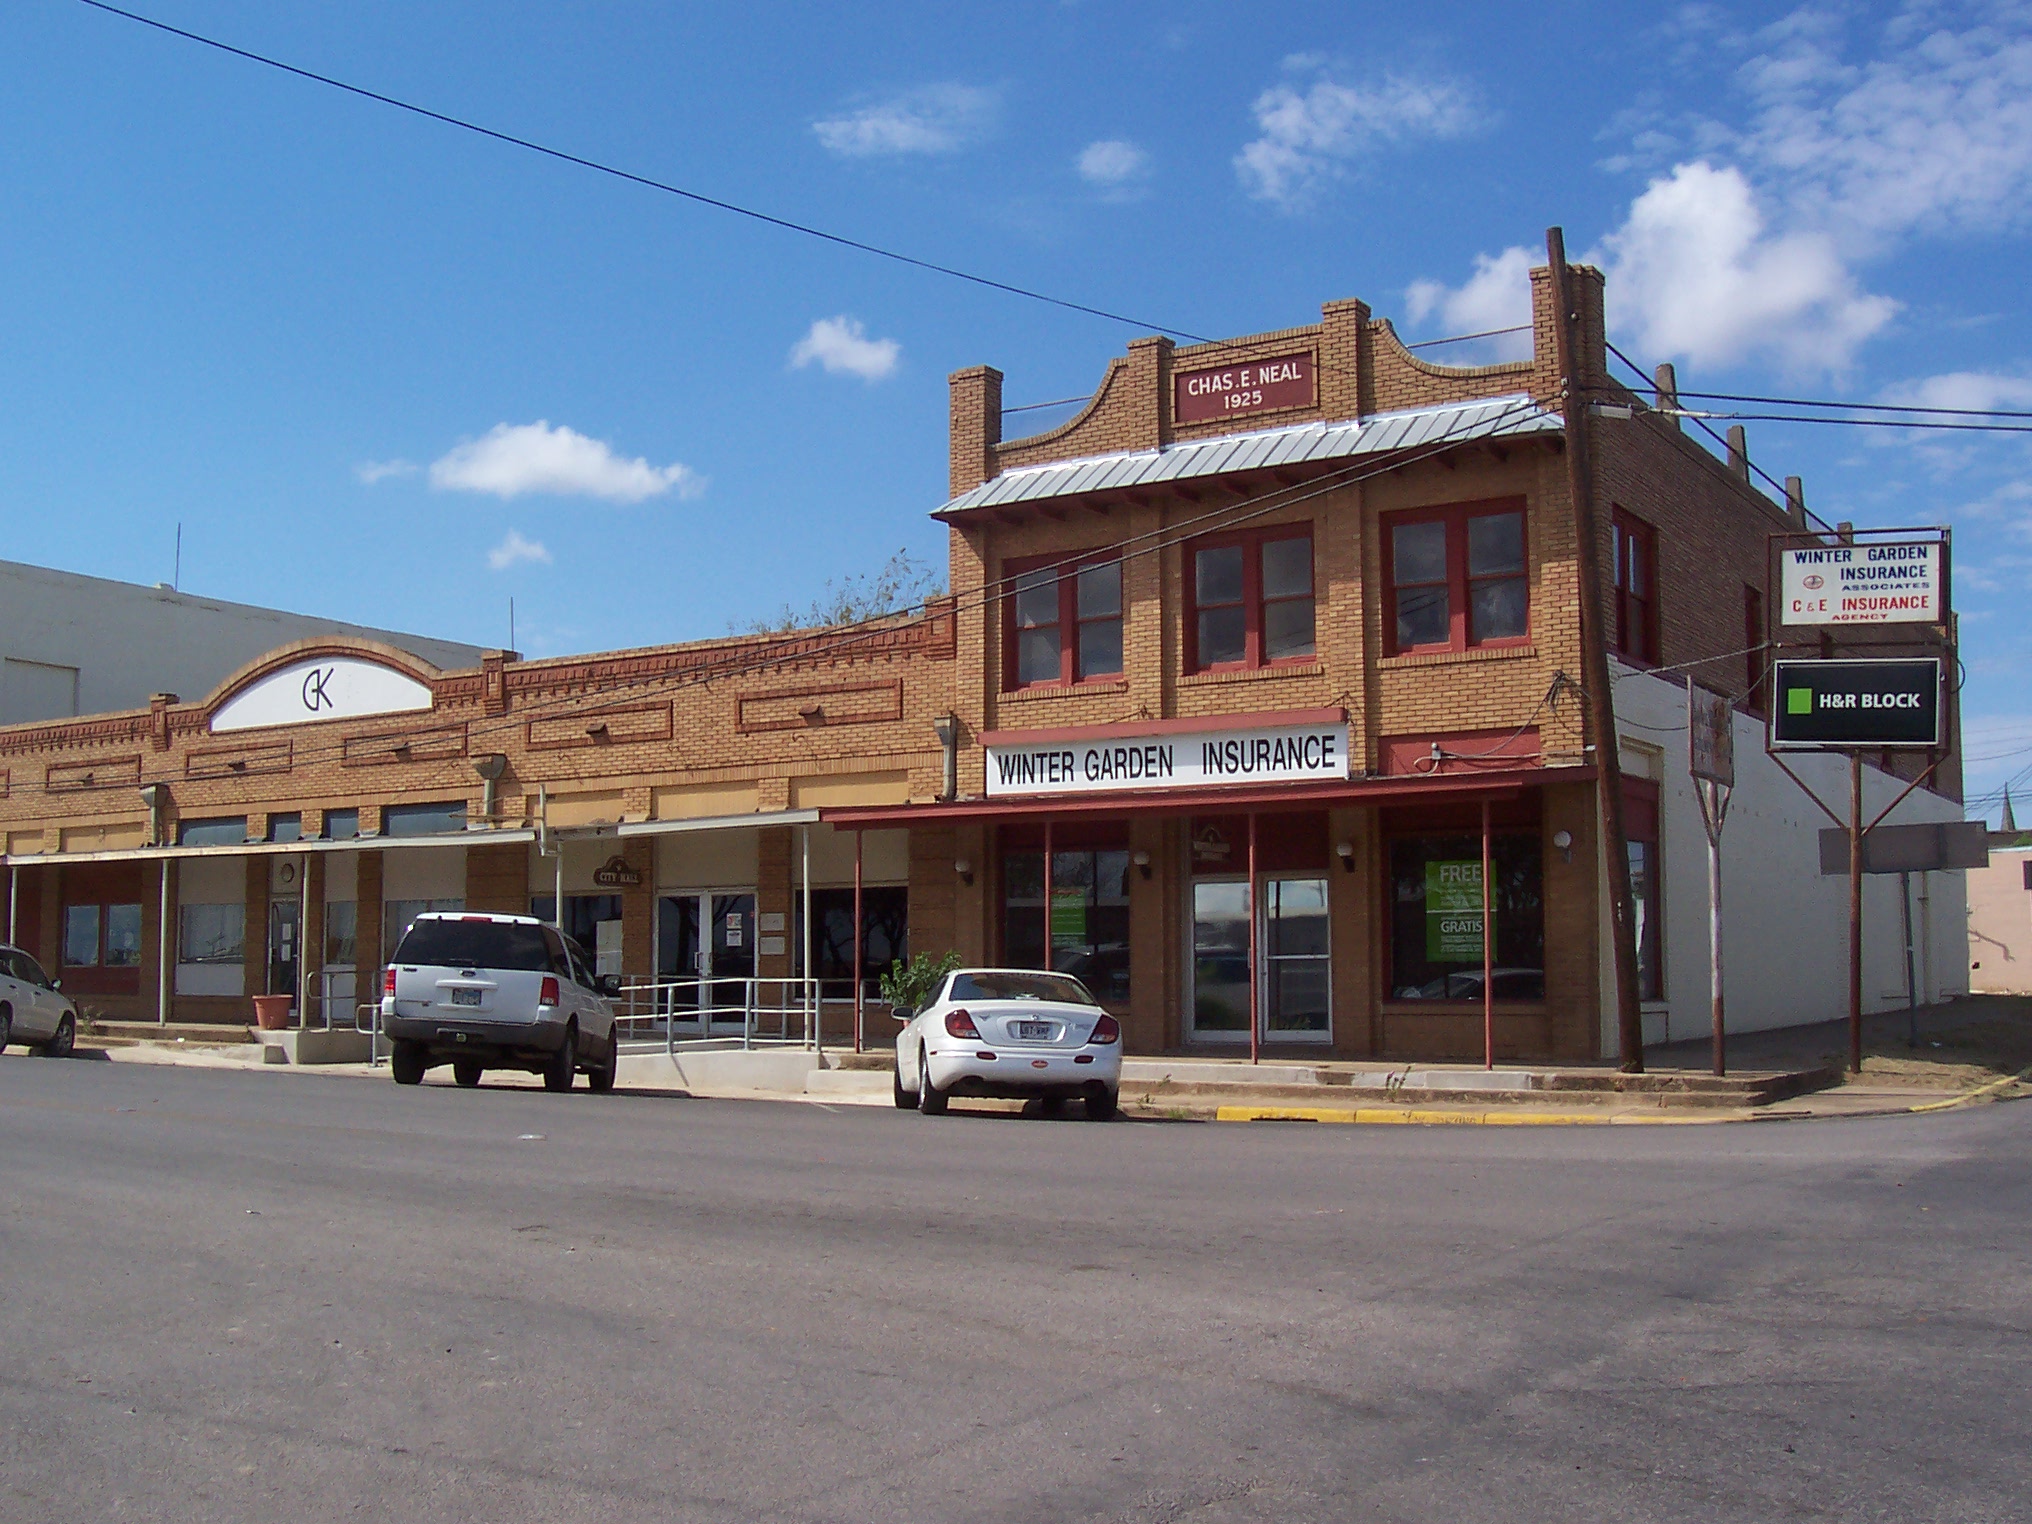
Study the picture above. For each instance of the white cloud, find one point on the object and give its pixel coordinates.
(933, 119)
(1497, 295)
(1113, 164)
(1976, 390)
(515, 548)
(372, 471)
(1309, 137)
(1933, 133)
(842, 346)
(513, 458)
(1695, 273)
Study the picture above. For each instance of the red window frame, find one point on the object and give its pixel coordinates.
(1458, 584)
(1251, 543)
(1635, 543)
(1069, 622)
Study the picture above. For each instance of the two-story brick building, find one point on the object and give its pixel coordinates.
(1244, 672)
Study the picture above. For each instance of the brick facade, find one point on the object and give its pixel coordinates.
(843, 720)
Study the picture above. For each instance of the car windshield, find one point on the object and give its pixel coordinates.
(1001, 984)
(475, 944)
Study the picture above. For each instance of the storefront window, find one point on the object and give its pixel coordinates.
(211, 933)
(1436, 918)
(81, 936)
(591, 920)
(1640, 832)
(1089, 917)
(885, 919)
(342, 924)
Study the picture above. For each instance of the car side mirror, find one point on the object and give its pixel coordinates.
(56, 984)
(901, 1012)
(610, 984)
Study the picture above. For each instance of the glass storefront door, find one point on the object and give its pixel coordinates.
(1294, 985)
(705, 956)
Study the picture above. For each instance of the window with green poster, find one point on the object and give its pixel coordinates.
(1436, 917)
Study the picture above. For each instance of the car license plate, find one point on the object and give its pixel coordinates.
(1034, 1031)
(465, 997)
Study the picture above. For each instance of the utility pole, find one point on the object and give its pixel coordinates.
(1595, 659)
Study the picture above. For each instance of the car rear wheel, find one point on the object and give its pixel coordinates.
(930, 1099)
(601, 1080)
(467, 1072)
(1100, 1105)
(407, 1063)
(6, 1028)
(564, 1063)
(63, 1040)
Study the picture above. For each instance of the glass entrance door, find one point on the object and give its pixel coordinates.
(705, 956)
(1294, 985)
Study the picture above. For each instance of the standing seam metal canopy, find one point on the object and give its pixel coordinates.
(1298, 444)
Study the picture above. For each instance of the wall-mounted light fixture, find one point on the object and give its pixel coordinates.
(1345, 851)
(1564, 841)
(1142, 862)
(965, 869)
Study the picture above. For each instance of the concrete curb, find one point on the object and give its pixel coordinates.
(1976, 1094)
(1373, 1116)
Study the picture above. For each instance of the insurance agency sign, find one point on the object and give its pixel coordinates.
(1886, 582)
(1176, 759)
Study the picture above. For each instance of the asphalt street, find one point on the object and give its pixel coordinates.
(257, 1296)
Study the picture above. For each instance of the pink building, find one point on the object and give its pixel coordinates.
(2000, 917)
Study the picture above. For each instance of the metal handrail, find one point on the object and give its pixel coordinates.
(371, 1010)
(663, 1005)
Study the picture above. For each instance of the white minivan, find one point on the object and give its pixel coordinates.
(482, 992)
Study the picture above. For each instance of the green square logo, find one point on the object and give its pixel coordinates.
(1799, 701)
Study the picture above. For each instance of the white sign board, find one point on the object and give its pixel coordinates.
(322, 688)
(1711, 736)
(1889, 582)
(1193, 759)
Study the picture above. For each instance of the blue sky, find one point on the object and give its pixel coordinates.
(387, 371)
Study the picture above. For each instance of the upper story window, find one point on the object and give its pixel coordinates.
(1457, 576)
(1756, 660)
(1252, 600)
(1064, 621)
(1635, 546)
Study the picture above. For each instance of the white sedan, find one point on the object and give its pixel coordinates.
(1008, 1032)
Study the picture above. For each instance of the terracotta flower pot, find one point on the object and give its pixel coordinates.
(271, 1012)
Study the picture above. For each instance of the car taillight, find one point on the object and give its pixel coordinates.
(1106, 1030)
(547, 995)
(960, 1024)
(387, 981)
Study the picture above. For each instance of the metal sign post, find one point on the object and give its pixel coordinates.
(1711, 758)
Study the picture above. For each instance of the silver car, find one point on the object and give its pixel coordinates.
(486, 992)
(33, 1010)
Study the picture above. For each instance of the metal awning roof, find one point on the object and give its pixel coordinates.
(1297, 445)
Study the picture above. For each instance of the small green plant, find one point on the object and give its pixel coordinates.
(909, 984)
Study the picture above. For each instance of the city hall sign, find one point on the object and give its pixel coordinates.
(1178, 759)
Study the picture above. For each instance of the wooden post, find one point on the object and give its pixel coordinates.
(1595, 661)
(1855, 912)
(859, 1036)
(1488, 956)
(1047, 893)
(1255, 964)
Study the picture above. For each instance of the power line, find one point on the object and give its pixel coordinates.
(1866, 407)
(1462, 338)
(1857, 423)
(698, 197)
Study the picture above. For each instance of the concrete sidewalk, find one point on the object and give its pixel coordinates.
(1196, 1089)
